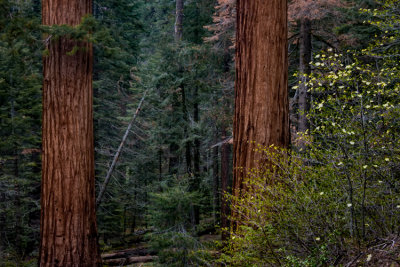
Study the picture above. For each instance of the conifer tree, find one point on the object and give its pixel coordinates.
(20, 84)
(261, 97)
(68, 218)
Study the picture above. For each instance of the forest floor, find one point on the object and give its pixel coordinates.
(131, 256)
(140, 254)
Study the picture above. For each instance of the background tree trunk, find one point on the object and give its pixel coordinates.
(305, 58)
(225, 153)
(179, 20)
(68, 219)
(196, 152)
(261, 97)
(215, 174)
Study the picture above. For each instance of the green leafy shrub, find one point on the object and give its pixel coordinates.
(327, 203)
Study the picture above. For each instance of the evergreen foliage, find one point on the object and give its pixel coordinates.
(20, 120)
(116, 56)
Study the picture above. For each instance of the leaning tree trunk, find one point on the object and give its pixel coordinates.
(261, 97)
(68, 219)
(305, 58)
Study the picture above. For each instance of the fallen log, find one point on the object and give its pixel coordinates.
(130, 260)
(140, 251)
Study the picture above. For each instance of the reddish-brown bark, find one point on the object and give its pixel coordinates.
(261, 97)
(68, 219)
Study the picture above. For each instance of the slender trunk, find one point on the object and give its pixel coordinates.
(225, 153)
(3, 218)
(215, 168)
(17, 199)
(261, 95)
(179, 20)
(68, 218)
(173, 158)
(160, 154)
(305, 70)
(17, 204)
(119, 150)
(196, 152)
(188, 149)
(196, 117)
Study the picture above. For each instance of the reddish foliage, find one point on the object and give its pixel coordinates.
(312, 9)
(224, 22)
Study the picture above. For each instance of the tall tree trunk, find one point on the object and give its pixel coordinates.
(225, 153)
(305, 58)
(261, 96)
(173, 163)
(179, 20)
(17, 196)
(196, 152)
(196, 117)
(17, 204)
(188, 144)
(215, 173)
(68, 219)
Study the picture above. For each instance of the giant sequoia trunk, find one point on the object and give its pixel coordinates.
(261, 97)
(68, 220)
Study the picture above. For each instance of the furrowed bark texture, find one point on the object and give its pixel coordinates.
(68, 219)
(261, 98)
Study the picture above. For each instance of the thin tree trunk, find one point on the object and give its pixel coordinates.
(196, 117)
(17, 203)
(261, 96)
(215, 168)
(188, 147)
(179, 20)
(17, 197)
(196, 152)
(119, 150)
(160, 154)
(68, 218)
(305, 70)
(174, 146)
(225, 153)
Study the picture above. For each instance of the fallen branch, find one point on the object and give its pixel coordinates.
(127, 253)
(116, 156)
(131, 260)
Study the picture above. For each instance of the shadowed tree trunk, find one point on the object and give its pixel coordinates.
(305, 58)
(261, 97)
(68, 219)
(225, 153)
(215, 174)
(188, 143)
(196, 152)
